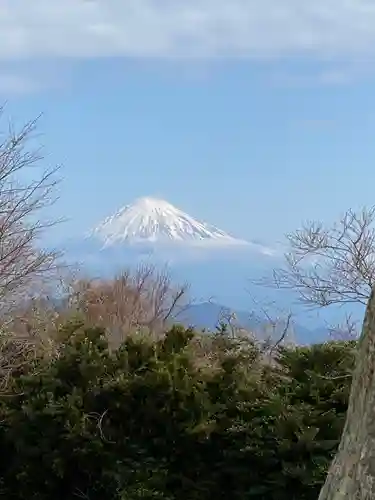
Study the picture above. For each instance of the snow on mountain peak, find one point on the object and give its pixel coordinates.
(152, 220)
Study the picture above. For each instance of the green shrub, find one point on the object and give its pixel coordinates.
(146, 421)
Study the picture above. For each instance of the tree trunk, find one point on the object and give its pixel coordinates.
(352, 472)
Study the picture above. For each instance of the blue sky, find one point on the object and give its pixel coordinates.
(250, 115)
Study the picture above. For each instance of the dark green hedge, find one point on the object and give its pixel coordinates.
(146, 422)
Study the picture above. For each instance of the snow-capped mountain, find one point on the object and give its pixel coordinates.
(151, 220)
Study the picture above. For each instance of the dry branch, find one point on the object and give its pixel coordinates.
(331, 265)
(25, 267)
(145, 299)
(24, 194)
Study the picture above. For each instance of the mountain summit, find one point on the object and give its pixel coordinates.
(151, 220)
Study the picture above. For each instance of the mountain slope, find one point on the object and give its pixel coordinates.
(150, 220)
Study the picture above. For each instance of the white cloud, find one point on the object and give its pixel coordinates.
(191, 28)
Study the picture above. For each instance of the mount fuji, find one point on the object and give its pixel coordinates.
(156, 223)
(215, 264)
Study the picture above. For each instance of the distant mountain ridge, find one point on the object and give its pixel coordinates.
(207, 315)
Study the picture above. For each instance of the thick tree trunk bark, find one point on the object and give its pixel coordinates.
(352, 472)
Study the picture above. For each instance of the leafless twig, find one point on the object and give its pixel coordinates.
(24, 264)
(331, 265)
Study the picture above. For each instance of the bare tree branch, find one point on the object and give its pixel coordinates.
(331, 265)
(25, 266)
(348, 329)
(23, 195)
(144, 299)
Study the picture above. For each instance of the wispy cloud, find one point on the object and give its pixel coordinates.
(186, 28)
(326, 74)
(31, 76)
(11, 83)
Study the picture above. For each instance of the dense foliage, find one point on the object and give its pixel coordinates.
(149, 421)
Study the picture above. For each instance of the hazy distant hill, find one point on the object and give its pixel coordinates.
(207, 315)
